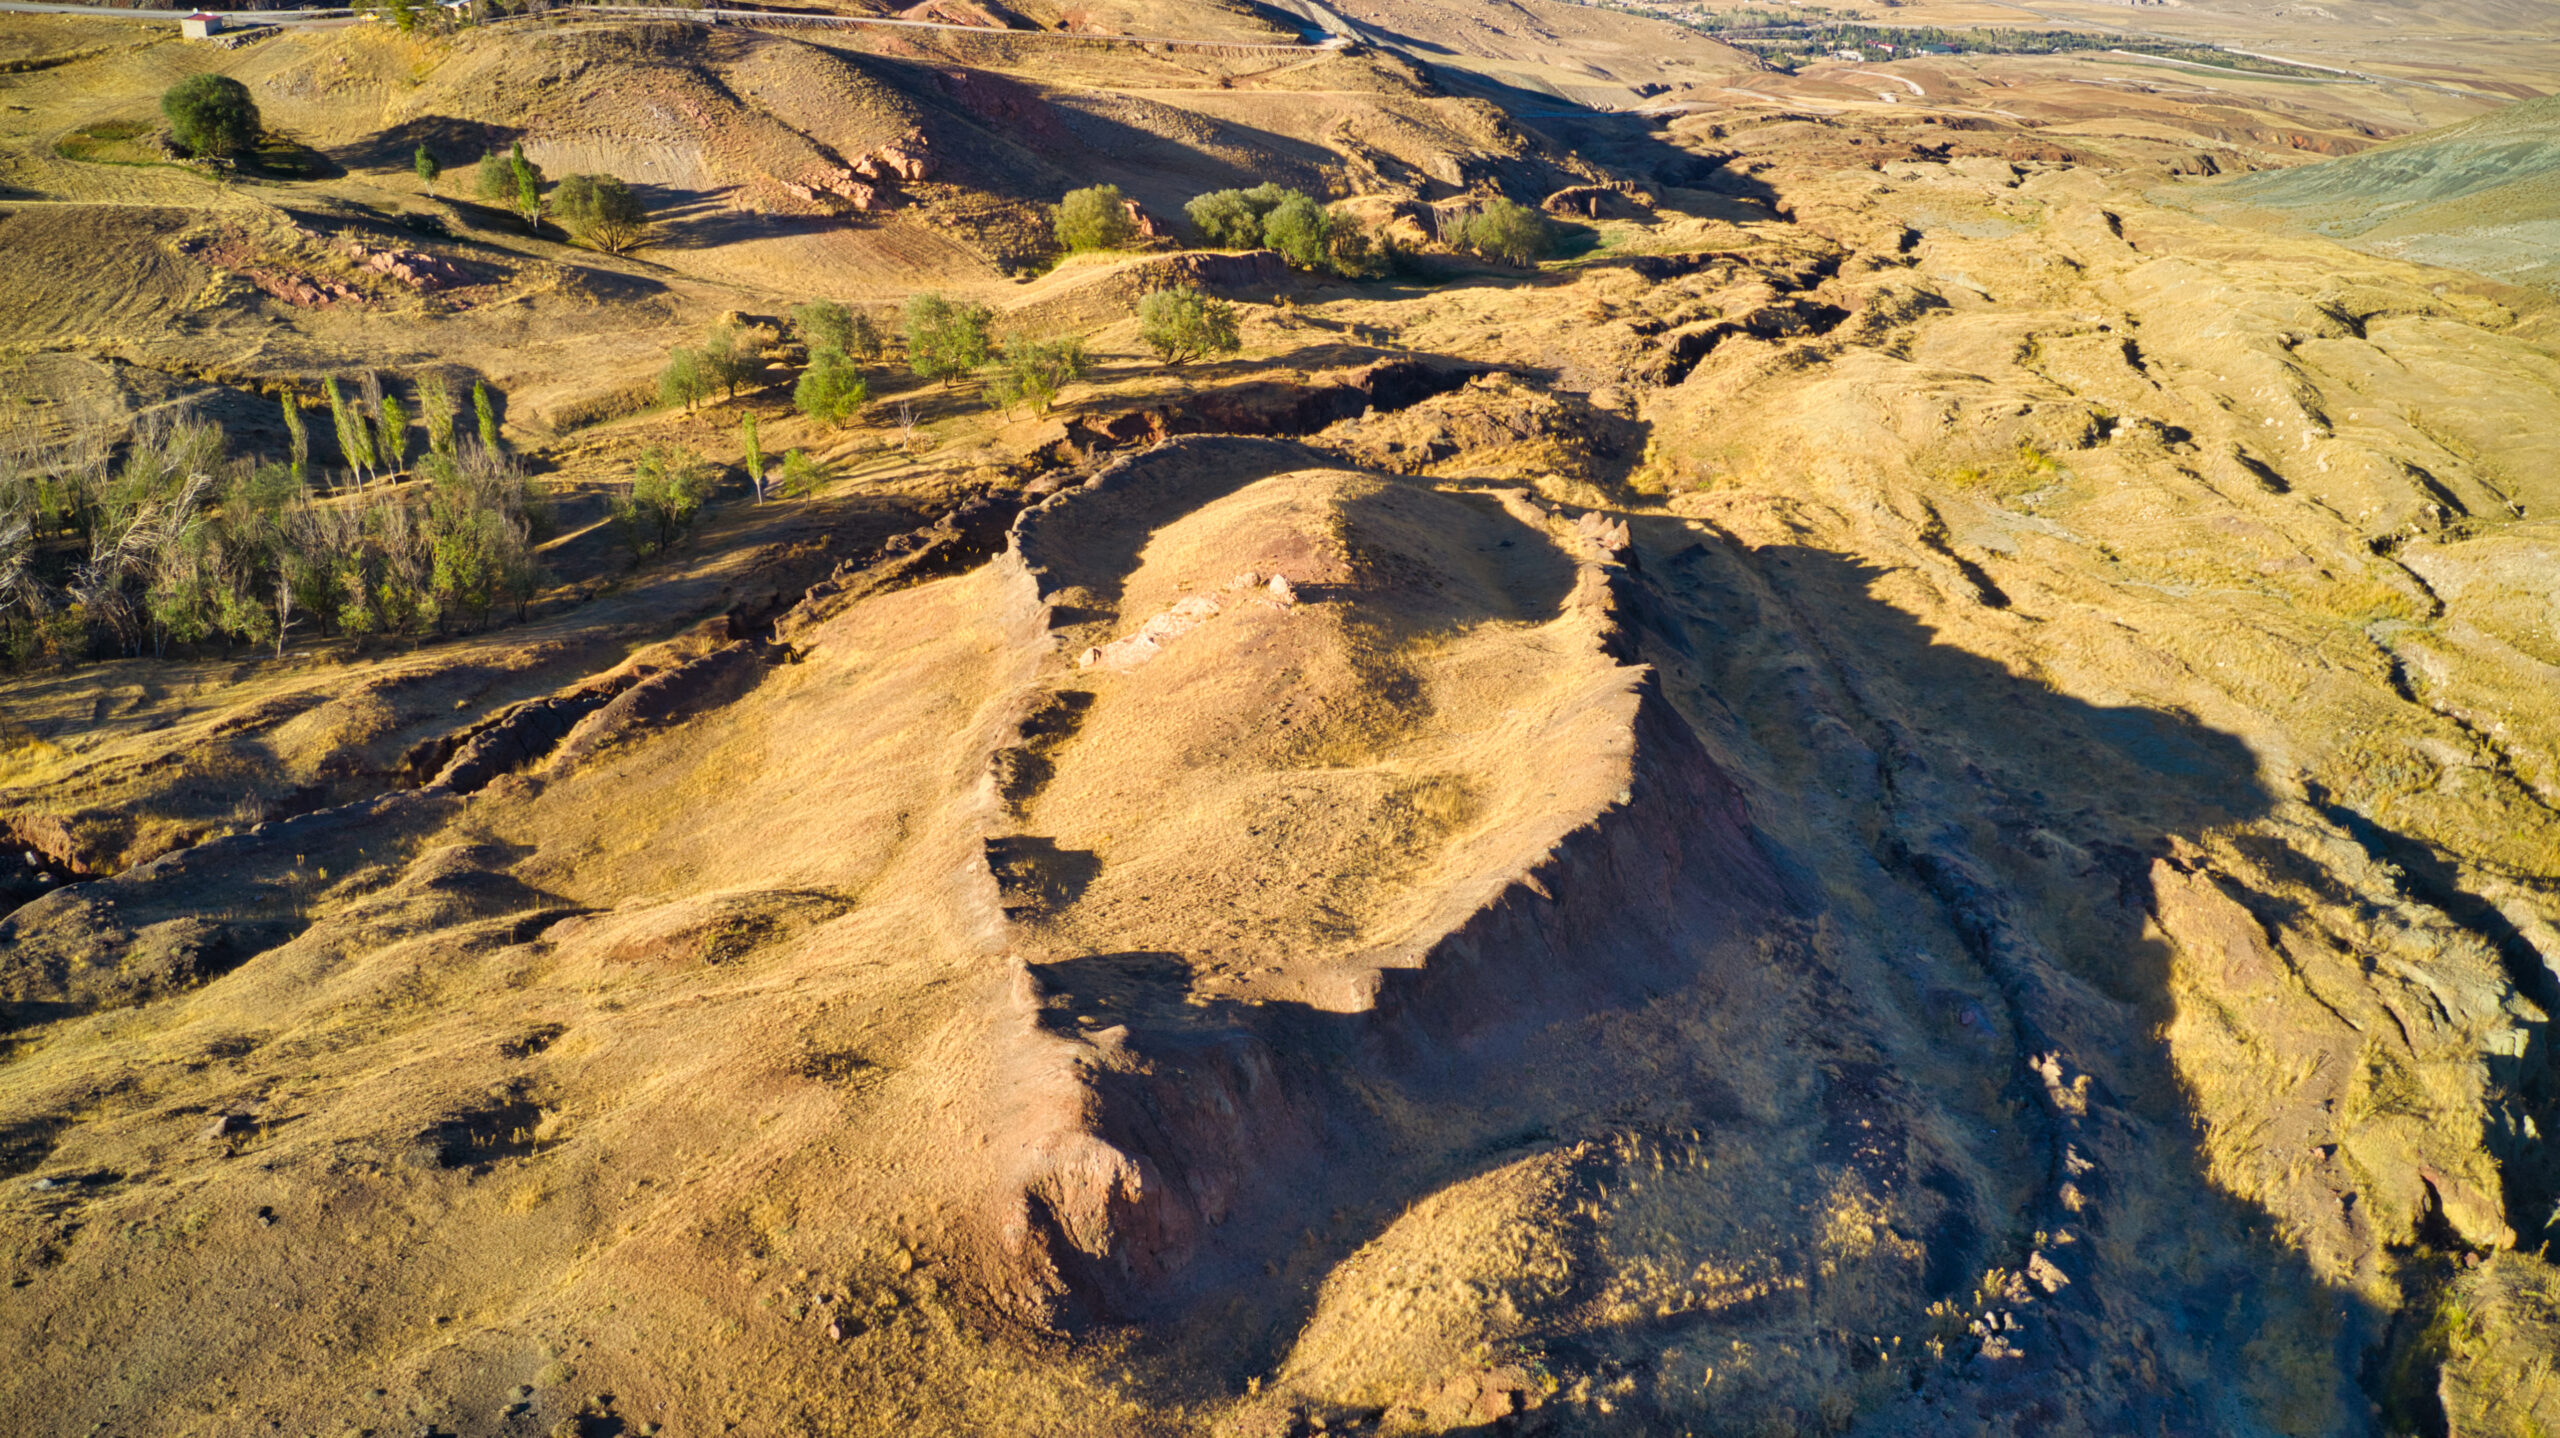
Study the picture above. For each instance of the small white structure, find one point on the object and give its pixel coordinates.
(200, 26)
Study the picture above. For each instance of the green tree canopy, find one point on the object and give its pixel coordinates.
(831, 389)
(685, 380)
(1031, 372)
(1232, 219)
(1508, 231)
(601, 211)
(1182, 325)
(1094, 219)
(946, 339)
(427, 166)
(512, 181)
(1301, 230)
(669, 486)
(212, 116)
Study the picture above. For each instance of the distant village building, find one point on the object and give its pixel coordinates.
(200, 26)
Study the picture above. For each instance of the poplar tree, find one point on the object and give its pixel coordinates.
(755, 455)
(395, 432)
(487, 411)
(435, 406)
(299, 436)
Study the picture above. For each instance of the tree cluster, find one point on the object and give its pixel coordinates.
(1506, 230)
(669, 487)
(601, 212)
(1308, 235)
(839, 341)
(730, 358)
(171, 539)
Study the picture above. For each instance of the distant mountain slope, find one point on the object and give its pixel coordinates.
(2483, 195)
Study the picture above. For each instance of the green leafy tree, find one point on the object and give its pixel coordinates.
(1508, 231)
(732, 357)
(602, 212)
(484, 408)
(1031, 372)
(1182, 325)
(1301, 230)
(1232, 219)
(753, 453)
(669, 486)
(1094, 219)
(685, 380)
(826, 325)
(428, 168)
(831, 390)
(404, 14)
(212, 116)
(946, 340)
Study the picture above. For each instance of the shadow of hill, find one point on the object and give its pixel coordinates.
(1998, 837)
(1630, 146)
(456, 144)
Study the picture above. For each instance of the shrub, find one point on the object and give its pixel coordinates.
(1508, 231)
(1182, 325)
(427, 166)
(668, 489)
(800, 474)
(1094, 219)
(212, 116)
(601, 211)
(946, 341)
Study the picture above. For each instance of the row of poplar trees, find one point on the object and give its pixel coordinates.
(171, 539)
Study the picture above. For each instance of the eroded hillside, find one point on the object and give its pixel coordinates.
(1915, 790)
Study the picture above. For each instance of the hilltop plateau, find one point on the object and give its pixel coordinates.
(1870, 746)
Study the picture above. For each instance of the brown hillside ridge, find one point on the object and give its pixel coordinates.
(1712, 743)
